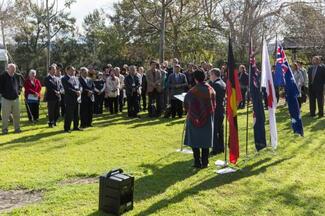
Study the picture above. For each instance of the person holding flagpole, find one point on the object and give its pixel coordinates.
(200, 105)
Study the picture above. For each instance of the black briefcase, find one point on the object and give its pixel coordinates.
(116, 192)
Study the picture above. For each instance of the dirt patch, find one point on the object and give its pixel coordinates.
(75, 181)
(12, 199)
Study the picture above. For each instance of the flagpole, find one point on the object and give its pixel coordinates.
(248, 93)
(275, 49)
(226, 133)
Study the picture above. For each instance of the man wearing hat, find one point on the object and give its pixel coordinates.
(177, 84)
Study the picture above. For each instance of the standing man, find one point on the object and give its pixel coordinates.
(316, 78)
(189, 76)
(10, 90)
(121, 96)
(143, 88)
(133, 92)
(177, 84)
(154, 89)
(87, 99)
(243, 80)
(219, 87)
(52, 95)
(59, 75)
(72, 99)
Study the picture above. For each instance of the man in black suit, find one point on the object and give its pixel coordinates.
(87, 99)
(143, 88)
(59, 74)
(52, 95)
(219, 87)
(316, 77)
(132, 86)
(72, 99)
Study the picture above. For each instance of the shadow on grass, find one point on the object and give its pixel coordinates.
(160, 179)
(211, 183)
(31, 139)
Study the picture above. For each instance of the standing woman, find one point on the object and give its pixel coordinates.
(299, 78)
(200, 105)
(33, 89)
(112, 92)
(99, 93)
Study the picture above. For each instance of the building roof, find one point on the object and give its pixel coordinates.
(295, 43)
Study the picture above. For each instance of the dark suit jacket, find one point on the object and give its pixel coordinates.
(219, 87)
(129, 81)
(317, 84)
(86, 88)
(177, 87)
(144, 84)
(71, 86)
(52, 86)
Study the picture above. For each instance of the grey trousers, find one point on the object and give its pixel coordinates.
(8, 107)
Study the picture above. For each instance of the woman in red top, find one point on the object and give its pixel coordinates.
(33, 89)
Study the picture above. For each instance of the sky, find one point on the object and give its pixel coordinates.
(83, 7)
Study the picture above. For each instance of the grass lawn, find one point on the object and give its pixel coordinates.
(288, 182)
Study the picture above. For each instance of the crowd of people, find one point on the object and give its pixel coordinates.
(78, 95)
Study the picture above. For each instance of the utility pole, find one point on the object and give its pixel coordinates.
(48, 35)
(162, 32)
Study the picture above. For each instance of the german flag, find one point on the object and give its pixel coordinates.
(233, 99)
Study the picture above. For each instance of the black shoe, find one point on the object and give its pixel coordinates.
(54, 124)
(18, 131)
(4, 131)
(67, 131)
(50, 125)
(205, 166)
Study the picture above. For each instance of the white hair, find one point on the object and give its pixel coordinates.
(11, 65)
(32, 71)
(84, 69)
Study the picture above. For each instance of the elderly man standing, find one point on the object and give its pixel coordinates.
(132, 86)
(177, 84)
(316, 78)
(154, 89)
(87, 99)
(72, 99)
(10, 90)
(52, 95)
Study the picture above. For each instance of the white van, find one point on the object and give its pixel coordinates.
(3, 59)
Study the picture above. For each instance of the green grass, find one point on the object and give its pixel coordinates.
(288, 182)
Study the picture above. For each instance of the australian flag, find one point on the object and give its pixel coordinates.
(291, 91)
(258, 108)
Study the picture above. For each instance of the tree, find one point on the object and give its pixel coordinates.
(305, 25)
(32, 31)
(185, 30)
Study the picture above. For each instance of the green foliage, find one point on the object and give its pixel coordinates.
(31, 36)
(285, 182)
